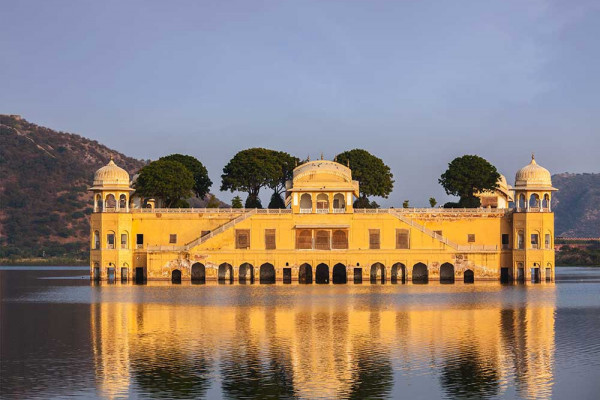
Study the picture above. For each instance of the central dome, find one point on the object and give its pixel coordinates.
(533, 175)
(111, 175)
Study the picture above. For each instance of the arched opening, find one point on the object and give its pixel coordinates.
(198, 273)
(306, 203)
(110, 273)
(546, 202)
(520, 272)
(96, 271)
(140, 275)
(96, 240)
(322, 203)
(110, 240)
(447, 273)
(124, 240)
(111, 202)
(339, 205)
(534, 201)
(420, 273)
(98, 204)
(522, 204)
(305, 274)
(176, 276)
(322, 273)
(398, 273)
(267, 273)
(124, 272)
(322, 240)
(304, 240)
(377, 273)
(548, 272)
(246, 274)
(469, 276)
(339, 240)
(123, 202)
(339, 274)
(225, 273)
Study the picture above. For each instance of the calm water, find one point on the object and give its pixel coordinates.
(62, 337)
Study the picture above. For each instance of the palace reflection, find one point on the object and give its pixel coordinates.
(323, 349)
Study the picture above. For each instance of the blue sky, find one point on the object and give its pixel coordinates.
(415, 83)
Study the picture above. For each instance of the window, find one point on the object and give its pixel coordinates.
(505, 241)
(96, 240)
(339, 239)
(402, 239)
(535, 241)
(520, 240)
(123, 240)
(471, 238)
(304, 239)
(139, 240)
(322, 241)
(270, 239)
(110, 240)
(547, 241)
(173, 238)
(374, 242)
(242, 239)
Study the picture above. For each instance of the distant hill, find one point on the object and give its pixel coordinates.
(577, 205)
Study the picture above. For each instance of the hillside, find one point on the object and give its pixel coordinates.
(577, 205)
(44, 176)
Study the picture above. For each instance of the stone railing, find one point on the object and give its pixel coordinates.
(211, 210)
(498, 211)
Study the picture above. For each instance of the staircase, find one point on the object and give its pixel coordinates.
(219, 230)
(426, 231)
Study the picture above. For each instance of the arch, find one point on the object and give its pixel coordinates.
(420, 274)
(123, 201)
(96, 240)
(124, 272)
(124, 240)
(246, 273)
(469, 276)
(225, 273)
(267, 273)
(339, 202)
(546, 201)
(322, 240)
(339, 274)
(96, 271)
(111, 202)
(98, 204)
(305, 274)
(377, 272)
(447, 273)
(176, 276)
(110, 272)
(110, 240)
(521, 203)
(548, 272)
(306, 202)
(339, 239)
(322, 202)
(534, 200)
(198, 273)
(304, 240)
(322, 273)
(398, 271)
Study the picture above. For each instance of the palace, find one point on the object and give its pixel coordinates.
(321, 238)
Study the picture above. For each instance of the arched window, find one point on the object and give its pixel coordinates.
(304, 239)
(96, 240)
(522, 203)
(124, 240)
(306, 203)
(340, 239)
(122, 202)
(534, 201)
(546, 201)
(99, 203)
(322, 203)
(339, 205)
(520, 240)
(111, 202)
(110, 240)
(322, 240)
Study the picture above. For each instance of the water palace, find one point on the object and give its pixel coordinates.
(321, 238)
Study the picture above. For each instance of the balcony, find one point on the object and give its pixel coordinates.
(322, 210)
(305, 210)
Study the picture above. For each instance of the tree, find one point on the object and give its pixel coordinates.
(276, 201)
(250, 170)
(286, 164)
(468, 175)
(169, 181)
(213, 202)
(202, 182)
(432, 202)
(236, 202)
(373, 175)
(405, 204)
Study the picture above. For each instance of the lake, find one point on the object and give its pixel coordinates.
(61, 336)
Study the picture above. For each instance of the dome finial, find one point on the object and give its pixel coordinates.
(321, 155)
(533, 158)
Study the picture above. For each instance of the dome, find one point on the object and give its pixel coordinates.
(533, 175)
(111, 175)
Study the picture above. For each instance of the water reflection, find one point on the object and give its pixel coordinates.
(292, 342)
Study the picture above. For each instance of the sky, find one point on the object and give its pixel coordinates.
(416, 83)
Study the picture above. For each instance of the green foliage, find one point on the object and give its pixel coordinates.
(180, 203)
(363, 202)
(253, 201)
(276, 201)
(432, 202)
(584, 255)
(213, 202)
(286, 163)
(202, 182)
(468, 175)
(236, 202)
(374, 176)
(405, 204)
(169, 181)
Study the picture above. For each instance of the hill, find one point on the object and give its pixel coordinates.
(44, 176)
(577, 205)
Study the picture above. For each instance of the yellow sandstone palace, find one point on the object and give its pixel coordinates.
(320, 238)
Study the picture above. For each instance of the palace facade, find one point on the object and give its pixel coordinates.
(321, 238)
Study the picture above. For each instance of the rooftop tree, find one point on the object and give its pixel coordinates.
(202, 182)
(466, 176)
(169, 181)
(374, 176)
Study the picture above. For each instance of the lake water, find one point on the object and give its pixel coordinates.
(60, 337)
